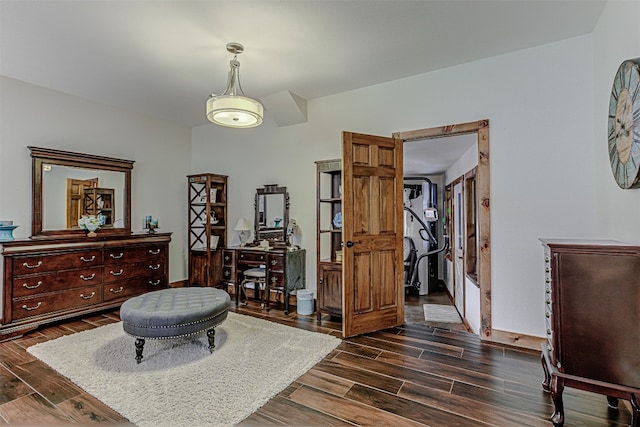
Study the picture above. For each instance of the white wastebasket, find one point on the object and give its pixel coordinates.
(304, 301)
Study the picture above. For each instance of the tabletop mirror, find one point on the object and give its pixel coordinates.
(68, 186)
(272, 213)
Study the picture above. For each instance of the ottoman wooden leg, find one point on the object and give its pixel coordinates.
(139, 347)
(211, 335)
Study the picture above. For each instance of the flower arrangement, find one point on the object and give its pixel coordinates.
(91, 223)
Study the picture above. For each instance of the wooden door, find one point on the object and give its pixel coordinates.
(458, 248)
(75, 198)
(372, 226)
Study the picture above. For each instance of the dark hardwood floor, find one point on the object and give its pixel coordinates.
(414, 375)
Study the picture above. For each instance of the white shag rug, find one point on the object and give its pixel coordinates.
(441, 313)
(178, 382)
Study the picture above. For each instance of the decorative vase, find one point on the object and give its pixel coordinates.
(90, 223)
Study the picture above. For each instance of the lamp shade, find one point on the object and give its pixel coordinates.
(234, 111)
(242, 225)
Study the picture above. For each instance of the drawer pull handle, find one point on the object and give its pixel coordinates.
(88, 260)
(114, 256)
(37, 285)
(116, 291)
(227, 258)
(24, 307)
(154, 251)
(226, 273)
(88, 278)
(547, 315)
(274, 280)
(274, 262)
(152, 267)
(113, 273)
(24, 264)
(83, 296)
(154, 283)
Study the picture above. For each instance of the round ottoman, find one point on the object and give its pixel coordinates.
(174, 313)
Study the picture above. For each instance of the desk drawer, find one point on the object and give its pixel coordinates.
(276, 262)
(228, 258)
(33, 264)
(47, 303)
(276, 280)
(42, 283)
(246, 256)
(227, 274)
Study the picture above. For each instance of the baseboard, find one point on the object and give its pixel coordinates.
(513, 339)
(179, 284)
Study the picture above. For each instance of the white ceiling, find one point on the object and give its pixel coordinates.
(163, 58)
(434, 156)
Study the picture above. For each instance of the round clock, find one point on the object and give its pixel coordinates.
(624, 125)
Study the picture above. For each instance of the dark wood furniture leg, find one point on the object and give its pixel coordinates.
(547, 375)
(211, 335)
(139, 348)
(557, 387)
(612, 402)
(635, 414)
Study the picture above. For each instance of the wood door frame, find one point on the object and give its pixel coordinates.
(481, 129)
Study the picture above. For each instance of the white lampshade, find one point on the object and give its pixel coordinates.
(234, 111)
(242, 225)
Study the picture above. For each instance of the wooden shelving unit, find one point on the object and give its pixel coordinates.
(207, 232)
(329, 237)
(100, 201)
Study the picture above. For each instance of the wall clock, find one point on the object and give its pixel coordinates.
(624, 125)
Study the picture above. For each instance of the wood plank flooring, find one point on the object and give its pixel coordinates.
(415, 375)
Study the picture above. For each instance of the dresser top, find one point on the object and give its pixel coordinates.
(582, 244)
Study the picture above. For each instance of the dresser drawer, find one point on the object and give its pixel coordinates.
(132, 254)
(276, 280)
(250, 256)
(42, 283)
(227, 274)
(33, 264)
(56, 301)
(128, 288)
(113, 273)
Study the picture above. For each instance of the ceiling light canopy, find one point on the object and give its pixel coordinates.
(233, 108)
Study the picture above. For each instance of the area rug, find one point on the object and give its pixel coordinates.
(179, 383)
(441, 313)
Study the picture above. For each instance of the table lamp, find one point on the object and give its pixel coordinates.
(245, 230)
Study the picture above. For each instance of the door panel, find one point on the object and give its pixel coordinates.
(458, 248)
(373, 287)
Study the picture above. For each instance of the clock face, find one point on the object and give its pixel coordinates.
(624, 125)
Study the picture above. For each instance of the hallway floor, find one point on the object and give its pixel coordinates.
(414, 313)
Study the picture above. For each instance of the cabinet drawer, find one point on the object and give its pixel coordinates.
(43, 283)
(276, 262)
(128, 288)
(113, 273)
(48, 303)
(125, 255)
(251, 256)
(33, 264)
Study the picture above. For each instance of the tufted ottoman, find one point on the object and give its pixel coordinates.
(173, 313)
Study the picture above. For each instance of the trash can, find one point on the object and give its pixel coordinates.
(304, 301)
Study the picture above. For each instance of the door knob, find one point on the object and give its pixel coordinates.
(350, 243)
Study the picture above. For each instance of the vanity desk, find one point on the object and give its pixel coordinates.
(285, 269)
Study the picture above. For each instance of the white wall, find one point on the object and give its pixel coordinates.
(34, 116)
(539, 103)
(615, 39)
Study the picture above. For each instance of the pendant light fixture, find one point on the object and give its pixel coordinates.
(233, 108)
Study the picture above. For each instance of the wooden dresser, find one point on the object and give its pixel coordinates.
(52, 279)
(592, 294)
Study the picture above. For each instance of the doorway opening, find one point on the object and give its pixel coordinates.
(473, 221)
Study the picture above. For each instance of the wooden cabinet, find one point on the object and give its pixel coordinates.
(53, 279)
(592, 291)
(100, 201)
(329, 237)
(207, 233)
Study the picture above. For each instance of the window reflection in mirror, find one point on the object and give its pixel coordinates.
(70, 192)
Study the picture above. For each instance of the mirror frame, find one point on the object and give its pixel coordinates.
(270, 190)
(42, 155)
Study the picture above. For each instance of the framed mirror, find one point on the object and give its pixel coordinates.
(68, 185)
(272, 213)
